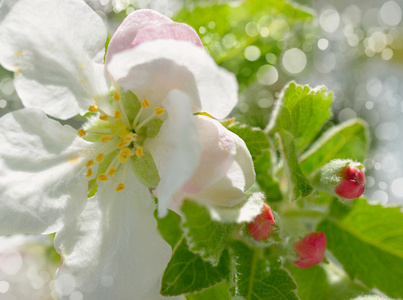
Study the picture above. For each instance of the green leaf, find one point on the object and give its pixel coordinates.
(299, 115)
(254, 138)
(347, 140)
(368, 241)
(302, 111)
(226, 30)
(300, 186)
(217, 292)
(204, 237)
(188, 272)
(256, 279)
(312, 282)
(265, 177)
(169, 227)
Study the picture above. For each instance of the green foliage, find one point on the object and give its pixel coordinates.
(299, 114)
(347, 140)
(226, 31)
(257, 279)
(302, 111)
(312, 283)
(169, 227)
(217, 292)
(368, 241)
(205, 237)
(188, 272)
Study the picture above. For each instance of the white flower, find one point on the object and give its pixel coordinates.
(142, 135)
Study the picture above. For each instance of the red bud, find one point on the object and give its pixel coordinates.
(310, 250)
(352, 184)
(261, 227)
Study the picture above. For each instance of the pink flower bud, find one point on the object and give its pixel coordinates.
(352, 184)
(261, 227)
(310, 250)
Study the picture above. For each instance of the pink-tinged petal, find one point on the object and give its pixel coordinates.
(154, 68)
(176, 149)
(146, 25)
(113, 249)
(127, 31)
(229, 189)
(261, 228)
(175, 31)
(310, 250)
(56, 50)
(41, 187)
(218, 153)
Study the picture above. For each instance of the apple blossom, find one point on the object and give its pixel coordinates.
(143, 134)
(310, 250)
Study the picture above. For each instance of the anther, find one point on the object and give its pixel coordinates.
(81, 132)
(112, 172)
(102, 177)
(116, 96)
(139, 151)
(89, 163)
(105, 138)
(89, 173)
(159, 110)
(104, 117)
(122, 143)
(145, 103)
(117, 115)
(120, 187)
(100, 157)
(124, 155)
(93, 108)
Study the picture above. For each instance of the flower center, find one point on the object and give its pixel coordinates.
(119, 137)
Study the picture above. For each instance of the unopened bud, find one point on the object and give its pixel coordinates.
(310, 250)
(342, 177)
(261, 228)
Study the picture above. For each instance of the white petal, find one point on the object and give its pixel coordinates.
(154, 68)
(219, 149)
(113, 249)
(176, 149)
(39, 161)
(56, 50)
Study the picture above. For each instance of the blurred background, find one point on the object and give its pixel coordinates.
(354, 48)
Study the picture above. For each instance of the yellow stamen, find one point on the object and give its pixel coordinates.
(139, 151)
(89, 173)
(159, 110)
(116, 96)
(82, 132)
(121, 143)
(93, 108)
(104, 117)
(124, 155)
(89, 163)
(120, 187)
(105, 138)
(112, 172)
(145, 103)
(117, 115)
(100, 157)
(102, 177)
